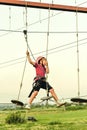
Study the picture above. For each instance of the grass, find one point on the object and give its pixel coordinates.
(51, 118)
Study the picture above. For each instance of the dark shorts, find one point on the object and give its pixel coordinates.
(40, 84)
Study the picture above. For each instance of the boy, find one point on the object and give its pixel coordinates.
(42, 68)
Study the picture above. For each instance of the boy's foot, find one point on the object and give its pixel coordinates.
(61, 104)
(27, 106)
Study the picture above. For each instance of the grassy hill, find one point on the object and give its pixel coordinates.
(47, 118)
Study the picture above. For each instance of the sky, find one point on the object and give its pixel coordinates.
(62, 55)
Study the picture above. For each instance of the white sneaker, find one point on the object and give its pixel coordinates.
(27, 106)
(61, 104)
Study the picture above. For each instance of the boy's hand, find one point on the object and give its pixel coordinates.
(45, 62)
(27, 53)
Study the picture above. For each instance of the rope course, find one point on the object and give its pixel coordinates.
(48, 51)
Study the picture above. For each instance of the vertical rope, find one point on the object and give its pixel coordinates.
(26, 24)
(52, 4)
(25, 32)
(78, 70)
(21, 84)
(40, 14)
(9, 18)
(47, 48)
(48, 33)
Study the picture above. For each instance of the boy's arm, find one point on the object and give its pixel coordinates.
(29, 59)
(47, 67)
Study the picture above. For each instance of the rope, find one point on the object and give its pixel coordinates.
(47, 50)
(78, 74)
(25, 33)
(40, 14)
(25, 60)
(48, 34)
(22, 79)
(9, 18)
(28, 47)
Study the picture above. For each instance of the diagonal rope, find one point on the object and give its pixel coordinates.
(25, 34)
(21, 84)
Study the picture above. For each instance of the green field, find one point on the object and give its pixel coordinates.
(48, 118)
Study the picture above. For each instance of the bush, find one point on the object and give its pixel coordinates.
(15, 118)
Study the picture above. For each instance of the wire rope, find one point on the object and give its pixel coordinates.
(54, 32)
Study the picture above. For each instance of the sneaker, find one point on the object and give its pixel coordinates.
(27, 106)
(61, 104)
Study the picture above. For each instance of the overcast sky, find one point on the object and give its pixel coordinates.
(62, 49)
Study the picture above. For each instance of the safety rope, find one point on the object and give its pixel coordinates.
(21, 84)
(22, 79)
(78, 70)
(47, 50)
(9, 18)
(25, 34)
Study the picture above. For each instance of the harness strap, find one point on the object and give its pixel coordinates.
(39, 78)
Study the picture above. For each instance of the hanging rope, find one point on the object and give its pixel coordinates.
(48, 33)
(78, 74)
(40, 14)
(21, 84)
(22, 79)
(47, 49)
(25, 33)
(9, 18)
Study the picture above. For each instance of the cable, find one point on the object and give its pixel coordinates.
(54, 32)
(29, 25)
(38, 21)
(11, 64)
(11, 60)
(41, 52)
(82, 3)
(49, 50)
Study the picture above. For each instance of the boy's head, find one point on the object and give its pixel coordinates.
(41, 60)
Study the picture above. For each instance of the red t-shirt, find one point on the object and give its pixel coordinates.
(40, 70)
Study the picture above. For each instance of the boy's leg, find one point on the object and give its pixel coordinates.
(56, 98)
(34, 94)
(53, 94)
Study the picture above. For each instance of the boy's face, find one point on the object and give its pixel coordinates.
(43, 61)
